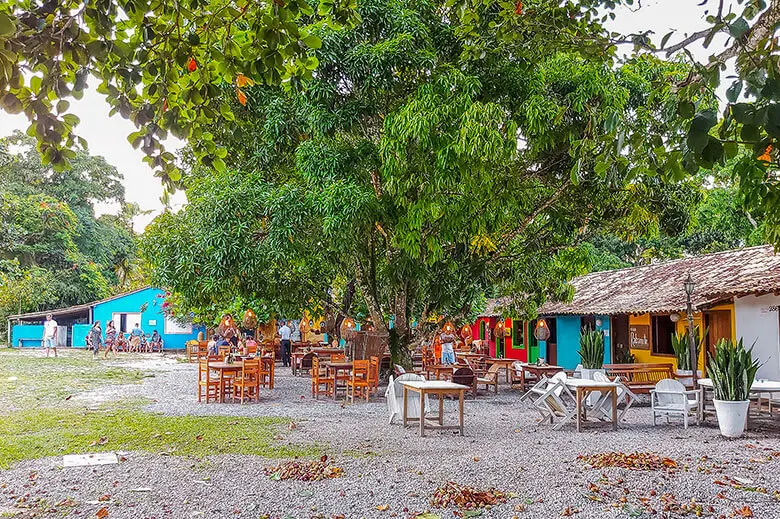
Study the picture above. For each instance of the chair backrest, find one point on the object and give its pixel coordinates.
(223, 351)
(517, 367)
(374, 370)
(464, 376)
(406, 377)
(361, 369)
(670, 385)
(399, 370)
(306, 361)
(203, 370)
(492, 372)
(250, 369)
(598, 376)
(338, 357)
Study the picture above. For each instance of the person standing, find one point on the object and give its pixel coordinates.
(447, 347)
(50, 335)
(96, 338)
(110, 339)
(285, 332)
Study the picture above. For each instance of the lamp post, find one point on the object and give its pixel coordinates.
(689, 286)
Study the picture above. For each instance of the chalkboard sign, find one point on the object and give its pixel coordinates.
(639, 336)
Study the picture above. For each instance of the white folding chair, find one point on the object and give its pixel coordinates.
(553, 403)
(536, 390)
(395, 397)
(671, 398)
(624, 397)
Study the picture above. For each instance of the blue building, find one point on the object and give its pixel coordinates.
(144, 306)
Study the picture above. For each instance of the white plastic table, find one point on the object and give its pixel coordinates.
(759, 387)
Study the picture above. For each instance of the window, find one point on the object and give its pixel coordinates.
(518, 335)
(588, 322)
(172, 327)
(124, 322)
(662, 331)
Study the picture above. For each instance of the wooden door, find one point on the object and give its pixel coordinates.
(620, 342)
(719, 324)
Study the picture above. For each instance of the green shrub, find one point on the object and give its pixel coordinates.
(682, 351)
(732, 370)
(591, 349)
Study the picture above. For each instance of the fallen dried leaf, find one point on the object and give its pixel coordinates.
(103, 512)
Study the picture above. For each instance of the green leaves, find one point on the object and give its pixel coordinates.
(162, 69)
(7, 25)
(732, 370)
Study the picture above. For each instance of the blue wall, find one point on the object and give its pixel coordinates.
(132, 303)
(80, 332)
(568, 334)
(27, 331)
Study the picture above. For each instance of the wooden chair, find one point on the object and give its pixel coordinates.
(338, 357)
(248, 381)
(267, 368)
(490, 378)
(318, 379)
(360, 380)
(374, 373)
(206, 385)
(466, 377)
(223, 351)
(306, 363)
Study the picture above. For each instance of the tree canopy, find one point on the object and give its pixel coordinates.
(416, 175)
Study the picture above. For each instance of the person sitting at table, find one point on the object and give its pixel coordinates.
(213, 349)
(251, 344)
(447, 348)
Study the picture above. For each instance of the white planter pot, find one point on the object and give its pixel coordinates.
(685, 376)
(731, 417)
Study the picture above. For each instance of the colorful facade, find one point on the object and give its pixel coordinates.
(145, 307)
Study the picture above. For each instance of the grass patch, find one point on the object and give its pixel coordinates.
(28, 379)
(37, 433)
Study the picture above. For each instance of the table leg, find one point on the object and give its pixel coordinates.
(221, 387)
(335, 383)
(441, 409)
(578, 398)
(406, 414)
(614, 409)
(461, 398)
(422, 412)
(522, 380)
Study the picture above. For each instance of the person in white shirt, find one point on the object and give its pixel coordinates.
(50, 335)
(285, 332)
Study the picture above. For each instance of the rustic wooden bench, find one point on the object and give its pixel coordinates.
(640, 378)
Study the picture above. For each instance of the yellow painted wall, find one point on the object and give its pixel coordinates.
(646, 356)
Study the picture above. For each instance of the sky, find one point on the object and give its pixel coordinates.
(107, 136)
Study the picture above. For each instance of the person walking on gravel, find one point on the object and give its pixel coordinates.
(110, 339)
(50, 335)
(96, 338)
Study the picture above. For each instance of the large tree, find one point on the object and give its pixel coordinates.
(419, 174)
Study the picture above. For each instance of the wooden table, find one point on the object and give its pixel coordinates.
(539, 371)
(584, 387)
(507, 363)
(335, 367)
(439, 388)
(438, 369)
(224, 368)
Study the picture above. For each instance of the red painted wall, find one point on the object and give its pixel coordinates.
(509, 352)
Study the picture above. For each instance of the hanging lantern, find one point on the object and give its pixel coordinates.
(542, 331)
(465, 332)
(368, 326)
(250, 319)
(225, 323)
(449, 327)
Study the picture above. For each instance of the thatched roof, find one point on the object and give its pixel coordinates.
(659, 287)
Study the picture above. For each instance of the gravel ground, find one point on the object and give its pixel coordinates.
(391, 472)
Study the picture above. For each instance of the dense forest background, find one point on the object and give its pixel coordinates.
(54, 250)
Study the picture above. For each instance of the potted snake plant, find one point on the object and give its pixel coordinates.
(732, 370)
(682, 352)
(591, 352)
